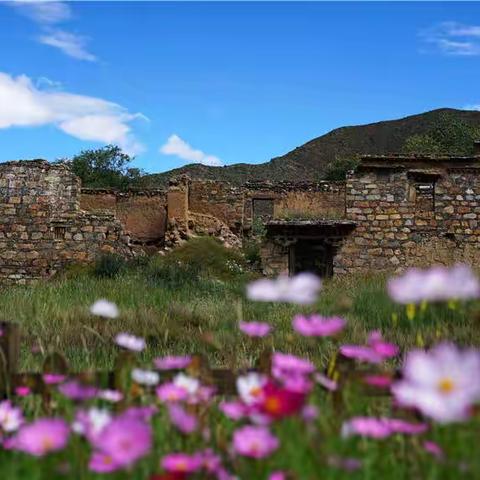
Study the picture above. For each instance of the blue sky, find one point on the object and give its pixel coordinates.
(222, 83)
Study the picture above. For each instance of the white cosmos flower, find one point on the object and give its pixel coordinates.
(145, 377)
(302, 289)
(11, 417)
(130, 342)
(113, 396)
(249, 387)
(442, 383)
(190, 384)
(104, 308)
(91, 422)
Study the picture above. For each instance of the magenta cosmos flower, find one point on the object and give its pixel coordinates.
(172, 362)
(436, 284)
(318, 326)
(302, 289)
(254, 442)
(124, 440)
(442, 383)
(181, 463)
(41, 437)
(255, 329)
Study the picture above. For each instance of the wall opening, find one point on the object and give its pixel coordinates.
(422, 192)
(312, 255)
(262, 209)
(59, 232)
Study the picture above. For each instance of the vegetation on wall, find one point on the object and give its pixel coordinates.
(337, 170)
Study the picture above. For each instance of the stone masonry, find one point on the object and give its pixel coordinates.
(392, 212)
(42, 228)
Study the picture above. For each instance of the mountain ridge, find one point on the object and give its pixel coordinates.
(310, 160)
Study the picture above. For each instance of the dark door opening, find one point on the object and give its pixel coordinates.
(315, 256)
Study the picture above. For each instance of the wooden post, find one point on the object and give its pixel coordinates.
(9, 353)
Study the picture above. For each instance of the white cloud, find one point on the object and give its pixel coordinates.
(453, 38)
(69, 43)
(49, 14)
(45, 12)
(180, 148)
(81, 116)
(472, 107)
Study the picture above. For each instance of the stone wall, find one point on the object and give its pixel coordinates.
(41, 225)
(142, 213)
(416, 213)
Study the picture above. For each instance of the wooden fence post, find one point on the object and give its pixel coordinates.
(9, 353)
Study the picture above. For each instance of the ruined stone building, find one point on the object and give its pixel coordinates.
(391, 212)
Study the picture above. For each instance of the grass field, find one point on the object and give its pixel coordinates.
(185, 313)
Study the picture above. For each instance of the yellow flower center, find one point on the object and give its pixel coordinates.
(47, 444)
(272, 405)
(446, 385)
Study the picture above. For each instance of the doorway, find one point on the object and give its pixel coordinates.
(312, 255)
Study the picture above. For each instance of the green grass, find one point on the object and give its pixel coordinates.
(198, 313)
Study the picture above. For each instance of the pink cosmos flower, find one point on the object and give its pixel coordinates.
(102, 463)
(302, 289)
(169, 392)
(381, 427)
(378, 381)
(142, 413)
(366, 427)
(326, 382)
(130, 342)
(397, 425)
(125, 440)
(345, 463)
(376, 351)
(233, 410)
(442, 383)
(255, 329)
(172, 362)
(436, 284)
(41, 437)
(254, 442)
(11, 418)
(53, 378)
(434, 449)
(277, 476)
(278, 402)
(181, 463)
(318, 326)
(185, 422)
(284, 364)
(310, 413)
(77, 391)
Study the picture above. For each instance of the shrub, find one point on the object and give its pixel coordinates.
(201, 257)
(109, 265)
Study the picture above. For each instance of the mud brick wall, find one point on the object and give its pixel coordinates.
(218, 199)
(295, 200)
(41, 225)
(142, 213)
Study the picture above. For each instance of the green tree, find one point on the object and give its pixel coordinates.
(447, 136)
(337, 170)
(106, 167)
